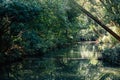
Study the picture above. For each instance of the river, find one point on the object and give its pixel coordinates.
(77, 62)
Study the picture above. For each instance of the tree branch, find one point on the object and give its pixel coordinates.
(95, 19)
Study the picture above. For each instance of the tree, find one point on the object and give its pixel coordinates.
(95, 19)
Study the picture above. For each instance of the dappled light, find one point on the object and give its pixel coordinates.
(59, 39)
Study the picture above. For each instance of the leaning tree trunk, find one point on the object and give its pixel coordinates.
(95, 19)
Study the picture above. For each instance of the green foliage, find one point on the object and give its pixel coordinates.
(35, 27)
(87, 35)
(15, 17)
(112, 10)
(18, 11)
(112, 55)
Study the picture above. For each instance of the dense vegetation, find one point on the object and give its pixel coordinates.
(60, 39)
(30, 28)
(112, 55)
(34, 28)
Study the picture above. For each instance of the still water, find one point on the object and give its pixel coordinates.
(78, 62)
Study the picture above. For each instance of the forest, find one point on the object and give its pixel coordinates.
(59, 39)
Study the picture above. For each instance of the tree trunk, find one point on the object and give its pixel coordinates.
(95, 19)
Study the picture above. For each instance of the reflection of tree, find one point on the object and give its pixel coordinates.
(62, 67)
(67, 69)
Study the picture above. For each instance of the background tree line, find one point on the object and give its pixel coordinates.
(38, 26)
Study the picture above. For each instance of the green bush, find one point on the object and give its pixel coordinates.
(87, 35)
(30, 28)
(112, 56)
(15, 17)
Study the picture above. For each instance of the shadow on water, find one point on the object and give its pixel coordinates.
(78, 62)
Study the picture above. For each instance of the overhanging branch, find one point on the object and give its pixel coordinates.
(96, 20)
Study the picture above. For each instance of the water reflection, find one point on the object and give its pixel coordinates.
(76, 63)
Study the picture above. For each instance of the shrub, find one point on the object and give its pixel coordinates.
(112, 56)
